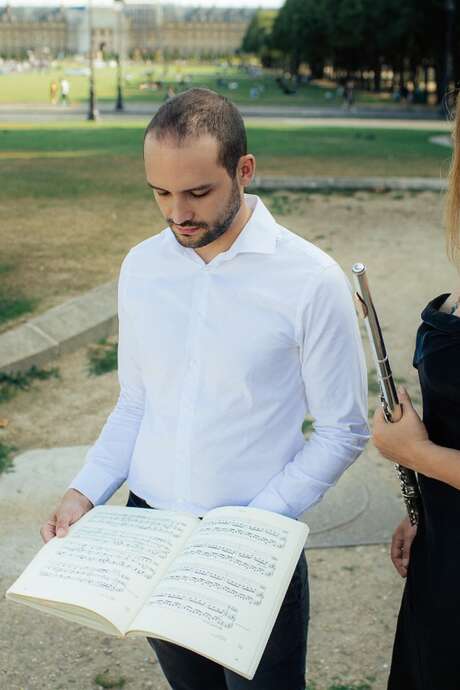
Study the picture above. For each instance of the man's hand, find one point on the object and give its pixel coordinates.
(402, 442)
(71, 508)
(401, 543)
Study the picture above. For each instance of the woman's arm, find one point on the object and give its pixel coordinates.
(406, 442)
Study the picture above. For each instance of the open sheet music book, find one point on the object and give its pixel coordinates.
(214, 585)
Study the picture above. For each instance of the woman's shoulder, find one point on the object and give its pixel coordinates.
(440, 326)
(452, 304)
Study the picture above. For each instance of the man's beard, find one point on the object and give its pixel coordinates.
(214, 231)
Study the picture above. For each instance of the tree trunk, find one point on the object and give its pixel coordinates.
(378, 78)
(295, 63)
(317, 69)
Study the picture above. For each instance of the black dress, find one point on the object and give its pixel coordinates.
(426, 654)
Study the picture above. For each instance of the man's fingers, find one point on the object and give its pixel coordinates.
(62, 524)
(48, 531)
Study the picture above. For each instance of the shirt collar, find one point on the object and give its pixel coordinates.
(259, 235)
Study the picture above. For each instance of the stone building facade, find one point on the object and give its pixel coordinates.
(174, 31)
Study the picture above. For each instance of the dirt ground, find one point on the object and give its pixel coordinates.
(355, 592)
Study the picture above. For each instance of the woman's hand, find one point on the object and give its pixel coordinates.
(401, 543)
(402, 442)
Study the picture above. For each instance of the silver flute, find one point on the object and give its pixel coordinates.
(392, 409)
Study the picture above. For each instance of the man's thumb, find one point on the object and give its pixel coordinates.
(62, 525)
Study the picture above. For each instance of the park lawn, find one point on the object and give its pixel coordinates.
(33, 87)
(73, 198)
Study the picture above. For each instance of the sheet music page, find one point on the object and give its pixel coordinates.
(108, 563)
(221, 596)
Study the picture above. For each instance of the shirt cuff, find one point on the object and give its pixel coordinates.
(94, 482)
(269, 499)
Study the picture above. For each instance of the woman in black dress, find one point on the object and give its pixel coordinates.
(426, 653)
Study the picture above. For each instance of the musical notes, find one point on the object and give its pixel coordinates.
(111, 550)
(209, 610)
(256, 533)
(217, 580)
(144, 520)
(246, 559)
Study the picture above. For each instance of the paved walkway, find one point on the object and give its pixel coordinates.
(34, 112)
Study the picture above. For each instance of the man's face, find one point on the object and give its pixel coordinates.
(195, 194)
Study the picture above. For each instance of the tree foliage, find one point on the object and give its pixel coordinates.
(258, 33)
(359, 35)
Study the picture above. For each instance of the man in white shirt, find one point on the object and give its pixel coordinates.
(231, 330)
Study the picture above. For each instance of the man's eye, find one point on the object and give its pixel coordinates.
(162, 193)
(197, 196)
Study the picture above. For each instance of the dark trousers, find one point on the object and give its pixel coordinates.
(283, 662)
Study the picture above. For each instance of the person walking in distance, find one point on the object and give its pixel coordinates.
(65, 91)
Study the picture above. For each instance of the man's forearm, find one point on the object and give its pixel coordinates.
(107, 463)
(314, 469)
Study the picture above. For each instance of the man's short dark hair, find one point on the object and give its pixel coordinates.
(196, 112)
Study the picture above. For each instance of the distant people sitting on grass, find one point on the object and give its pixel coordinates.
(285, 86)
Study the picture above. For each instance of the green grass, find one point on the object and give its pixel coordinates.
(13, 306)
(102, 357)
(13, 303)
(33, 87)
(6, 462)
(87, 158)
(11, 384)
(106, 680)
(73, 197)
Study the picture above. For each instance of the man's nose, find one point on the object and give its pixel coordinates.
(180, 212)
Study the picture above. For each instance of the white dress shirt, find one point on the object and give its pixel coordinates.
(218, 365)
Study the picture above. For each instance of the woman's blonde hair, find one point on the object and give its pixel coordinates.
(452, 206)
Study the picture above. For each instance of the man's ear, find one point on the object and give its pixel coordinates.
(246, 169)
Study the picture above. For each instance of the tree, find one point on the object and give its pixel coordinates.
(300, 32)
(347, 33)
(257, 36)
(287, 33)
(364, 35)
(314, 35)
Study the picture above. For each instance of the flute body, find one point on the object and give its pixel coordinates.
(388, 395)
